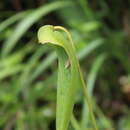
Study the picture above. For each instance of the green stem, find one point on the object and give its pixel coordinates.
(88, 101)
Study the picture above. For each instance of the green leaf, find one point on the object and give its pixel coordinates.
(69, 75)
(12, 19)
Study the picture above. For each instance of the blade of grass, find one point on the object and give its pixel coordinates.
(87, 10)
(90, 48)
(90, 82)
(10, 71)
(28, 71)
(43, 66)
(12, 64)
(12, 19)
(27, 22)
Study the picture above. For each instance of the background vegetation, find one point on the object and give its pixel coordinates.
(28, 71)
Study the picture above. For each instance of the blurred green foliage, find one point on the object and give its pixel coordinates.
(28, 71)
